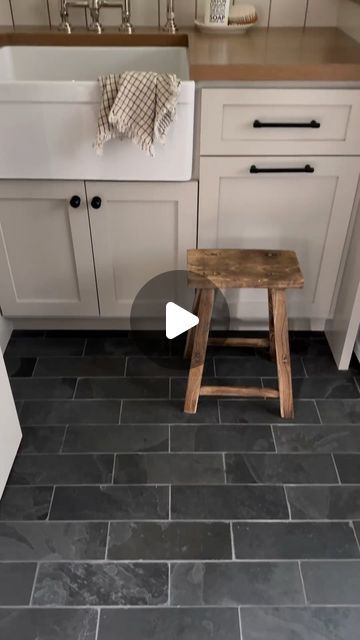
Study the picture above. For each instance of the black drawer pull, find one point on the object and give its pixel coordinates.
(96, 202)
(313, 124)
(75, 202)
(306, 169)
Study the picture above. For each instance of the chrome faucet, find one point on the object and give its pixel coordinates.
(170, 25)
(94, 7)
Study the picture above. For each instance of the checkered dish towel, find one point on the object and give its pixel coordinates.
(137, 105)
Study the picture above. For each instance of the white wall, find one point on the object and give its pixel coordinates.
(349, 18)
(149, 12)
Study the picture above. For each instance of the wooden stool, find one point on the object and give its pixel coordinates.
(276, 271)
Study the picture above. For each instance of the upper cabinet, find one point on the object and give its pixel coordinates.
(46, 263)
(139, 230)
(246, 202)
(280, 122)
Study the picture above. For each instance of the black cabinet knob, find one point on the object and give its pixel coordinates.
(96, 202)
(75, 202)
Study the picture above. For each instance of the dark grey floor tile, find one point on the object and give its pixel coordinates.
(259, 365)
(25, 346)
(324, 503)
(42, 388)
(280, 468)
(166, 411)
(62, 469)
(325, 365)
(80, 367)
(337, 411)
(300, 623)
(110, 503)
(232, 584)
(332, 582)
(44, 412)
(53, 541)
(169, 624)
(223, 437)
(348, 466)
(25, 503)
(163, 367)
(321, 439)
(231, 502)
(309, 345)
(16, 582)
(169, 541)
(42, 439)
(108, 584)
(293, 541)
(19, 367)
(48, 624)
(265, 411)
(178, 385)
(315, 388)
(123, 388)
(169, 468)
(128, 345)
(124, 438)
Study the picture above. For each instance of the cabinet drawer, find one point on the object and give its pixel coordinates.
(305, 211)
(280, 122)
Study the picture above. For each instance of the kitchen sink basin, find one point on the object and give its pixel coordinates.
(49, 103)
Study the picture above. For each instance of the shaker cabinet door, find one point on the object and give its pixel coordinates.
(247, 203)
(46, 263)
(139, 230)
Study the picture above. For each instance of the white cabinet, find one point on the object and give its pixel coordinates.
(280, 122)
(139, 231)
(46, 263)
(305, 212)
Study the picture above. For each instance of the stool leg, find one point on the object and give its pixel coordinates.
(206, 303)
(278, 298)
(271, 328)
(191, 333)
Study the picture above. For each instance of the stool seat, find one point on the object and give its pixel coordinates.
(243, 268)
(276, 271)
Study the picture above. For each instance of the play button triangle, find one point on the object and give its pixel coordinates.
(178, 320)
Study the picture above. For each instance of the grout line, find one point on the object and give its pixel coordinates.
(121, 409)
(107, 541)
(357, 383)
(306, 13)
(34, 369)
(84, 349)
(169, 585)
(12, 14)
(288, 503)
(355, 534)
(232, 541)
(224, 467)
(273, 437)
(218, 410)
(113, 469)
(51, 502)
(180, 561)
(169, 518)
(34, 583)
(336, 469)
(303, 366)
(169, 438)
(61, 450)
(317, 411)
(302, 582)
(240, 624)
(126, 366)
(76, 388)
(97, 623)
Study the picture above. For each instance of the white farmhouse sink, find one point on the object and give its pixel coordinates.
(49, 102)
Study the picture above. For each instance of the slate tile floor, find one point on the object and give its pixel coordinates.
(125, 519)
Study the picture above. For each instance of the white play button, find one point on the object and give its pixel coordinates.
(178, 320)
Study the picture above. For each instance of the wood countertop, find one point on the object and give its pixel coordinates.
(285, 54)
